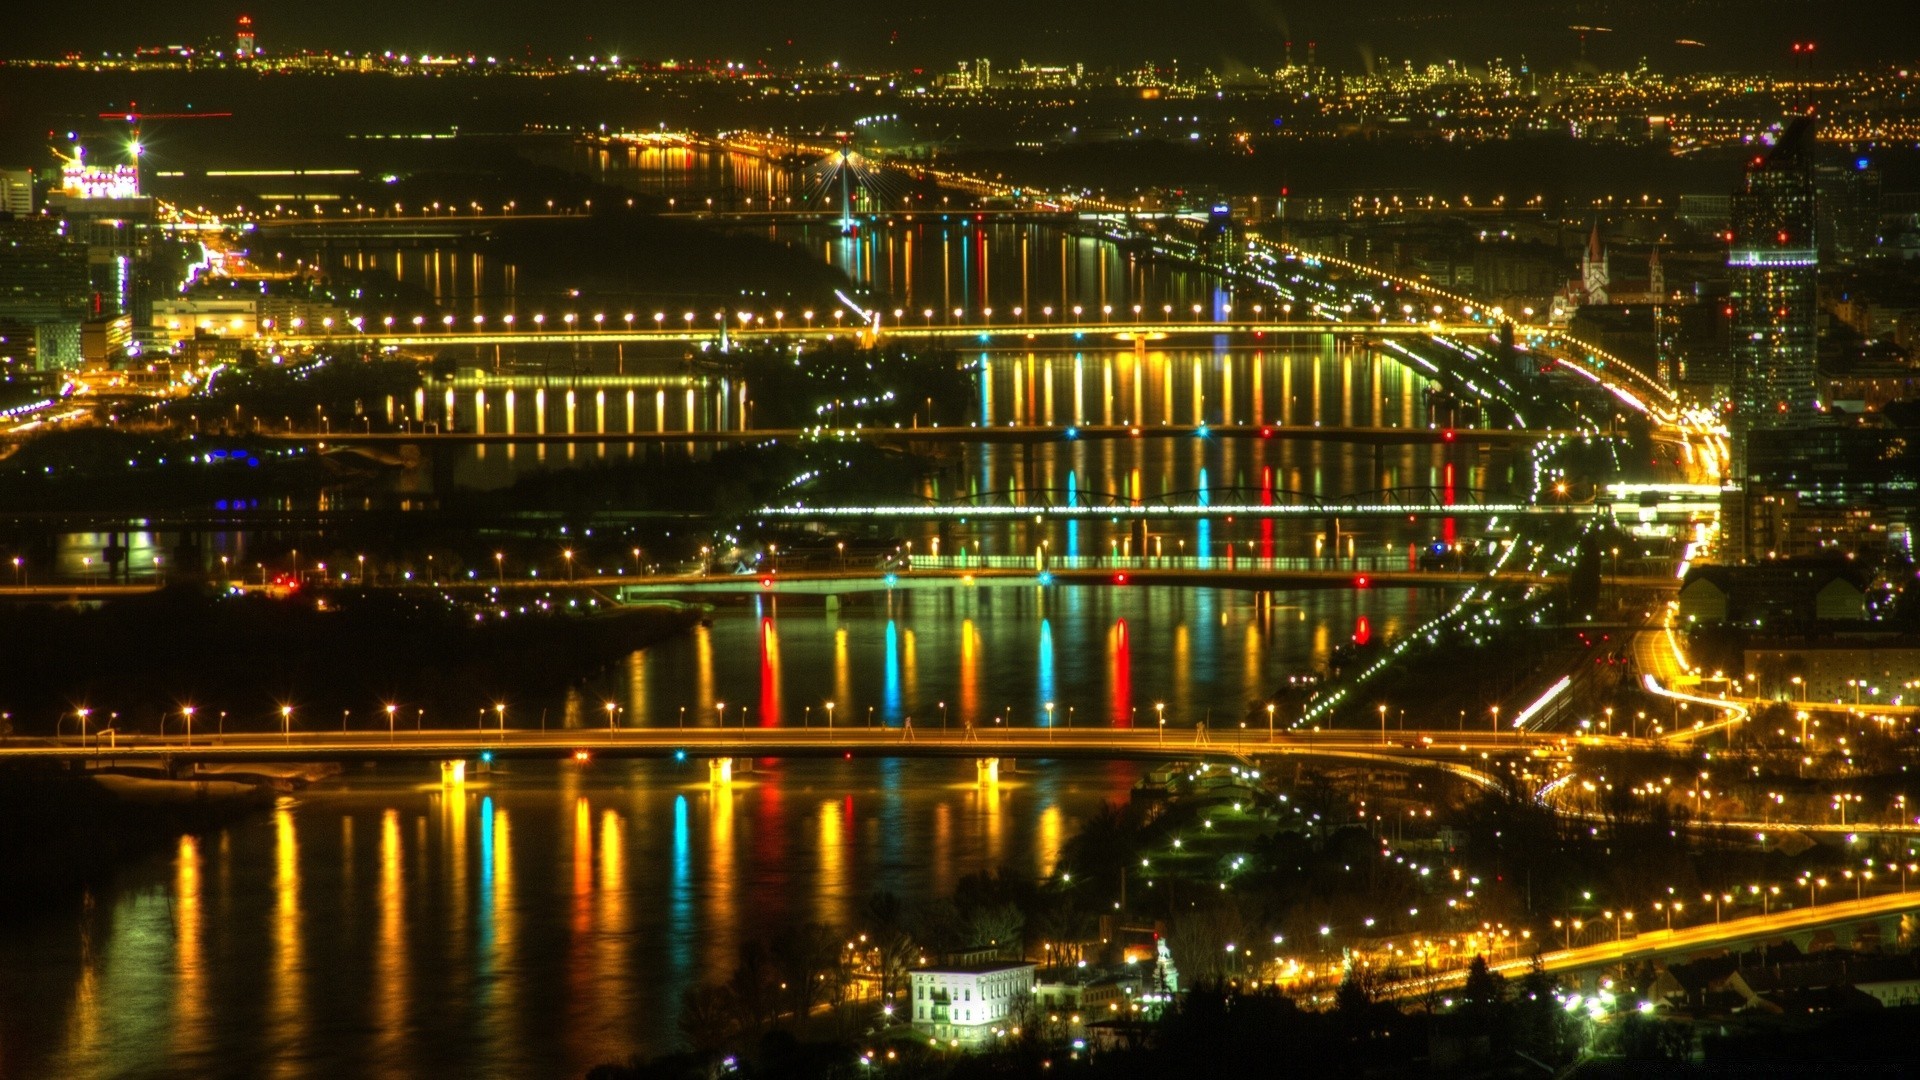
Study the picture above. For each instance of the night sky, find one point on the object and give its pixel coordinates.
(1221, 34)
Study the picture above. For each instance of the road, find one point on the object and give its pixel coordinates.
(1726, 934)
(927, 738)
(377, 334)
(1022, 434)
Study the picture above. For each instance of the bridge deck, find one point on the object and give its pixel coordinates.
(1015, 435)
(926, 739)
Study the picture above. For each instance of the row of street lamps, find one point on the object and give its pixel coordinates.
(748, 319)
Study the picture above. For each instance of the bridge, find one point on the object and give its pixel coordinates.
(781, 327)
(722, 747)
(1003, 435)
(930, 571)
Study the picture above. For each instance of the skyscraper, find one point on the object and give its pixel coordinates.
(1772, 263)
(244, 45)
(16, 192)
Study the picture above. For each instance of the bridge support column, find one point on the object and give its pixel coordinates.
(453, 772)
(720, 771)
(987, 770)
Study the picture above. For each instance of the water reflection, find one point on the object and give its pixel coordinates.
(287, 1002)
(971, 653)
(189, 964)
(393, 990)
(644, 880)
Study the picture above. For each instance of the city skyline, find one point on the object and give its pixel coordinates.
(927, 543)
(1222, 35)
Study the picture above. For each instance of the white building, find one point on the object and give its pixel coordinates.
(971, 1004)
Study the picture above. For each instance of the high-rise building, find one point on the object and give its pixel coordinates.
(1848, 195)
(1772, 263)
(44, 294)
(16, 192)
(244, 45)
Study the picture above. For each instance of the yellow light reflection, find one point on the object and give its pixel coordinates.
(831, 899)
(392, 989)
(190, 977)
(720, 859)
(286, 1004)
(1046, 848)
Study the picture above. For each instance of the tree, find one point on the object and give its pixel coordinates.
(1481, 999)
(804, 960)
(1000, 926)
(707, 1017)
(755, 990)
(1542, 1029)
(1352, 1006)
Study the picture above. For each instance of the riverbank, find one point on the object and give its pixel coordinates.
(134, 663)
(67, 832)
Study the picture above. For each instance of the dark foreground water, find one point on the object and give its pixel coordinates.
(548, 917)
(529, 924)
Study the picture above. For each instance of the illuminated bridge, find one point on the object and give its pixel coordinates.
(1023, 434)
(923, 737)
(911, 326)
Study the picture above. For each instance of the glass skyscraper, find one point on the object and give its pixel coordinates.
(1772, 264)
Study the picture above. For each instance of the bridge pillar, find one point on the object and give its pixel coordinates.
(453, 772)
(720, 771)
(987, 770)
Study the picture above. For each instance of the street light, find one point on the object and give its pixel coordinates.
(186, 712)
(829, 718)
(286, 723)
(500, 710)
(611, 709)
(391, 710)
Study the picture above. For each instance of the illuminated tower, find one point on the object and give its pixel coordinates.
(1772, 263)
(1595, 276)
(243, 46)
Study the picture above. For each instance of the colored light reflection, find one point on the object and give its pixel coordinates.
(891, 678)
(395, 983)
(769, 673)
(286, 1003)
(189, 962)
(1044, 683)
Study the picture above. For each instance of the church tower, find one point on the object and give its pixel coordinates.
(1594, 276)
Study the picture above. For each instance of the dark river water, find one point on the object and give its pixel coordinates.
(547, 917)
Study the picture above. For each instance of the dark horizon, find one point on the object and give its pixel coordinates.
(1223, 35)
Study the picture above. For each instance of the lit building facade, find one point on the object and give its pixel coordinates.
(1773, 261)
(971, 1004)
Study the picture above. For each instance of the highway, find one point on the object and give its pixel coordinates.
(1725, 934)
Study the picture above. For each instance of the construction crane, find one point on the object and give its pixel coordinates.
(1583, 31)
